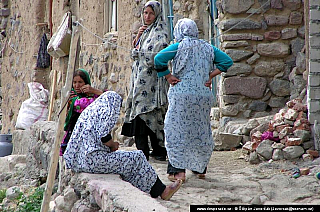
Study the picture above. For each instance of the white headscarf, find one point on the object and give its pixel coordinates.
(95, 122)
(185, 28)
(192, 51)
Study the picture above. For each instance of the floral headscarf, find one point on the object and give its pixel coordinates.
(155, 37)
(99, 118)
(95, 122)
(185, 28)
(156, 7)
(191, 49)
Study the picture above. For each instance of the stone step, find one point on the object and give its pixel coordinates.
(111, 193)
(7, 163)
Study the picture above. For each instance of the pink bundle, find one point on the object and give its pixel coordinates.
(268, 135)
(82, 103)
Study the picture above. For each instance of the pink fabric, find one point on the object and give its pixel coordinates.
(82, 103)
(268, 135)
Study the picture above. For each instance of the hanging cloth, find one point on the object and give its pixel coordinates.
(43, 58)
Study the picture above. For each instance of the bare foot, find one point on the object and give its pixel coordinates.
(171, 189)
(171, 177)
(180, 175)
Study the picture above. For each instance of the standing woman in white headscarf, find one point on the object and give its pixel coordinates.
(147, 99)
(188, 136)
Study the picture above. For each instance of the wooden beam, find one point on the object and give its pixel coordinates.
(53, 89)
(65, 91)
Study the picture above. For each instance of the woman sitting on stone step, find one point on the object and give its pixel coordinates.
(91, 150)
(82, 94)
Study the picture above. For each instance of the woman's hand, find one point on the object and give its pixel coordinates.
(211, 75)
(172, 80)
(87, 89)
(140, 31)
(113, 145)
(208, 83)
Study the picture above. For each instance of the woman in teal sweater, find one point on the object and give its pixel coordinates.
(188, 136)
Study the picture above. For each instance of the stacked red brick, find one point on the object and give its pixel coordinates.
(288, 136)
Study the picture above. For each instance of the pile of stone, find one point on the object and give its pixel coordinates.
(288, 136)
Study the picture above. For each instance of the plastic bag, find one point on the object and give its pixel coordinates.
(59, 44)
(43, 58)
(33, 109)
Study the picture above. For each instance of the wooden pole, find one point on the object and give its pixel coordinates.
(72, 64)
(53, 89)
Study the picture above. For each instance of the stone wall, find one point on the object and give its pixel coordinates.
(267, 47)
(266, 41)
(29, 20)
(105, 55)
(313, 61)
(22, 26)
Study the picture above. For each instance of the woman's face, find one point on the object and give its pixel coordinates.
(148, 15)
(77, 83)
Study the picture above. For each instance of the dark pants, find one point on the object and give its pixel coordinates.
(142, 143)
(139, 129)
(173, 170)
(157, 189)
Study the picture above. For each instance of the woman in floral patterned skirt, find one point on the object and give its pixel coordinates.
(91, 150)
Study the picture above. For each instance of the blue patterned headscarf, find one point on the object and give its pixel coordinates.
(192, 51)
(96, 121)
(185, 28)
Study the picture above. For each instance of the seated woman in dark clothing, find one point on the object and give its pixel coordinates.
(82, 94)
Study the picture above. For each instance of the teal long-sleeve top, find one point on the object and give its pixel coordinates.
(221, 59)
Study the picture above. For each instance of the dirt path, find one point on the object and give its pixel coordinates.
(233, 181)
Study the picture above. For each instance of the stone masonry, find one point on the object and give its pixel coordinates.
(268, 51)
(276, 53)
(265, 38)
(314, 62)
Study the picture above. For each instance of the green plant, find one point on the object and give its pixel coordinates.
(2, 194)
(32, 202)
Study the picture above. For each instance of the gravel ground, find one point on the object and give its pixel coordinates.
(231, 180)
